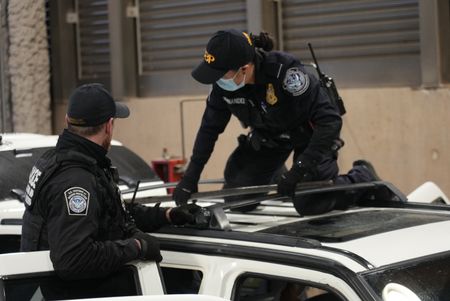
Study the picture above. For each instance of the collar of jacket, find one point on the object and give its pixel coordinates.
(73, 142)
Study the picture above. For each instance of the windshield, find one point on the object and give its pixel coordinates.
(15, 167)
(428, 277)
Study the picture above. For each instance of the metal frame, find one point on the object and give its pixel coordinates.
(183, 144)
(378, 194)
(434, 42)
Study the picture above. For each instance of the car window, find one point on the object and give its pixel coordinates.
(428, 277)
(345, 227)
(255, 287)
(130, 164)
(15, 169)
(181, 281)
(9, 243)
(50, 287)
(16, 166)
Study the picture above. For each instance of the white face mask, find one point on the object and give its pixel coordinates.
(229, 84)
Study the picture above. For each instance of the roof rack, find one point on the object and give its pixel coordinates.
(378, 191)
(157, 186)
(214, 217)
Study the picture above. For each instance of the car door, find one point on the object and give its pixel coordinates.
(243, 279)
(30, 276)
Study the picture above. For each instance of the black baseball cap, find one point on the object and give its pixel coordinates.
(226, 50)
(91, 105)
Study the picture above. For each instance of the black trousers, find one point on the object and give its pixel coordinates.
(248, 167)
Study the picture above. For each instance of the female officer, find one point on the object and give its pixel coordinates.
(284, 108)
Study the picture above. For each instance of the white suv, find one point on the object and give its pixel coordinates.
(383, 247)
(380, 248)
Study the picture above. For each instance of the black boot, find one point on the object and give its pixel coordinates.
(368, 167)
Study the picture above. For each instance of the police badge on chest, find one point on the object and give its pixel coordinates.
(77, 200)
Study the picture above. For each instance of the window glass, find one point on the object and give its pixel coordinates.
(255, 287)
(181, 281)
(354, 225)
(428, 277)
(9, 243)
(16, 167)
(51, 287)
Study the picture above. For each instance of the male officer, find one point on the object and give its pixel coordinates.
(286, 110)
(73, 205)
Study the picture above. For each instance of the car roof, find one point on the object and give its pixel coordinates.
(21, 141)
(372, 233)
(380, 228)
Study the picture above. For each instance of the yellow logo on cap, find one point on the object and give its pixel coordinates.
(248, 38)
(209, 58)
(271, 98)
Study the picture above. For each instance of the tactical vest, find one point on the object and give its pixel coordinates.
(113, 220)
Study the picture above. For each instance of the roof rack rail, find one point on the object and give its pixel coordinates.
(164, 185)
(379, 191)
(214, 217)
(226, 192)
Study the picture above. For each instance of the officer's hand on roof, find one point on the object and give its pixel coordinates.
(184, 189)
(184, 214)
(300, 172)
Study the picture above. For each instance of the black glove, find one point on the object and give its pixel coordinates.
(184, 214)
(183, 191)
(149, 247)
(288, 181)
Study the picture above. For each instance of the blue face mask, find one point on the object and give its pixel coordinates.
(229, 84)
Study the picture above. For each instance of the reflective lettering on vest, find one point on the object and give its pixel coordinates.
(235, 101)
(35, 174)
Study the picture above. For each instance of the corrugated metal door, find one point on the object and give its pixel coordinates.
(93, 41)
(360, 43)
(172, 36)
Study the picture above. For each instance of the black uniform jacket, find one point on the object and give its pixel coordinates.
(74, 209)
(285, 101)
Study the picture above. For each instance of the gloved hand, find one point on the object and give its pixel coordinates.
(288, 181)
(183, 191)
(149, 247)
(183, 214)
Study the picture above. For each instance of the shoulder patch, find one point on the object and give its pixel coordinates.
(295, 81)
(77, 201)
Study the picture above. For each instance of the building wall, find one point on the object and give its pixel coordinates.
(403, 132)
(29, 68)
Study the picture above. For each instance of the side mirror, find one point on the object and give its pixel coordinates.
(398, 292)
(19, 193)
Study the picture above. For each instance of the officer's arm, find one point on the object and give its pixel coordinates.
(73, 222)
(214, 121)
(324, 119)
(149, 218)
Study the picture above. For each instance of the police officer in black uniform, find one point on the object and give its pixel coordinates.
(73, 205)
(286, 110)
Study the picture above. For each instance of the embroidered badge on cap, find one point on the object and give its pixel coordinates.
(209, 58)
(295, 82)
(77, 200)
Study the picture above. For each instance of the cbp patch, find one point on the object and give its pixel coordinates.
(295, 82)
(77, 200)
